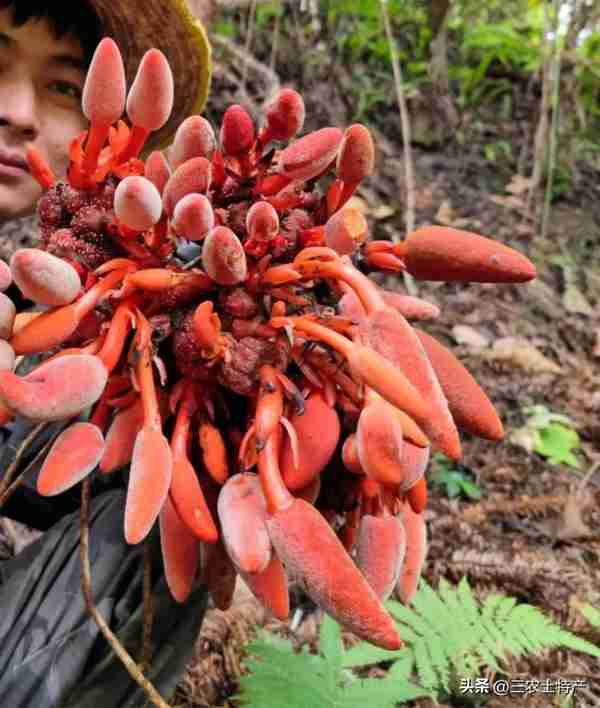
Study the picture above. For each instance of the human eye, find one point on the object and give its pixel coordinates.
(67, 89)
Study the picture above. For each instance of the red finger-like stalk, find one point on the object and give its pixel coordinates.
(39, 168)
(44, 278)
(413, 308)
(214, 453)
(380, 550)
(121, 324)
(414, 558)
(242, 513)
(73, 455)
(271, 588)
(417, 496)
(149, 102)
(390, 335)
(318, 430)
(185, 490)
(443, 253)
(414, 463)
(379, 443)
(350, 456)
(367, 365)
(193, 217)
(152, 463)
(51, 328)
(55, 390)
(327, 572)
(269, 408)
(103, 98)
(194, 138)
(121, 436)
(471, 409)
(179, 551)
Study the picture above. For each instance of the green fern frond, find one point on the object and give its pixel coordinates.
(280, 678)
(456, 635)
(448, 633)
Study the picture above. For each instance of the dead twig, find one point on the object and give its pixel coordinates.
(7, 493)
(86, 587)
(146, 657)
(249, 34)
(22, 449)
(409, 172)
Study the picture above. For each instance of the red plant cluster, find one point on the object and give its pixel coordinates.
(275, 406)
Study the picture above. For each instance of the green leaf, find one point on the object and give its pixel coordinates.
(364, 654)
(556, 443)
(331, 649)
(471, 489)
(591, 614)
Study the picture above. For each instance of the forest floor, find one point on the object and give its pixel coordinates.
(535, 532)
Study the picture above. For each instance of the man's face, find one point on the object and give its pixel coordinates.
(41, 80)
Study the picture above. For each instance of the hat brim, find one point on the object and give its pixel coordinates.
(167, 25)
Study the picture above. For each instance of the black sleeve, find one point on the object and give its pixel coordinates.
(51, 652)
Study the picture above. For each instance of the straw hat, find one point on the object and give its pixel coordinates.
(168, 25)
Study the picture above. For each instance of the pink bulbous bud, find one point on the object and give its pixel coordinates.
(194, 138)
(223, 257)
(285, 115)
(193, 176)
(104, 90)
(193, 217)
(56, 390)
(346, 230)
(157, 170)
(309, 156)
(237, 131)
(44, 278)
(7, 356)
(137, 203)
(356, 158)
(8, 312)
(150, 98)
(262, 221)
(5, 276)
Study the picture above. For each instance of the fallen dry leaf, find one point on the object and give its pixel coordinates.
(574, 301)
(463, 334)
(519, 185)
(383, 211)
(510, 201)
(521, 354)
(445, 214)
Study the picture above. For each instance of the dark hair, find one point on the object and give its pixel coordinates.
(77, 20)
